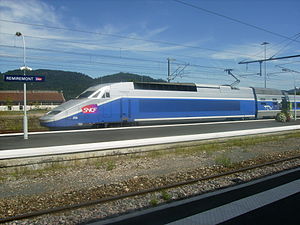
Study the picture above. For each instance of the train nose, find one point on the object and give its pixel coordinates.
(48, 120)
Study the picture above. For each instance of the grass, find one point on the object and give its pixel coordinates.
(110, 165)
(2, 179)
(223, 160)
(212, 147)
(98, 164)
(16, 124)
(21, 113)
(165, 195)
(153, 202)
(28, 172)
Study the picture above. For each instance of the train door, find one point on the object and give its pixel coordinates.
(125, 109)
(107, 107)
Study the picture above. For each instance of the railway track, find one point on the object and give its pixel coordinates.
(143, 192)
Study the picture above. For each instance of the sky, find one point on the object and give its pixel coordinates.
(201, 38)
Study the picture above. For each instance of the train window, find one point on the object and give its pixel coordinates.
(96, 94)
(297, 105)
(262, 99)
(274, 99)
(85, 94)
(165, 86)
(208, 87)
(267, 91)
(106, 95)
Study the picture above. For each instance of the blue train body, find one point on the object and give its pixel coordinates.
(139, 102)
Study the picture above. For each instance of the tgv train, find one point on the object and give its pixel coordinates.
(132, 102)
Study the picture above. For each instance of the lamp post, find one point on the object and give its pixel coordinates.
(24, 68)
(265, 63)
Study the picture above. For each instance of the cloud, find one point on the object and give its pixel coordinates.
(31, 11)
(109, 37)
(250, 51)
(106, 43)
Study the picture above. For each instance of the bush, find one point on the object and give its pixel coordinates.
(288, 116)
(281, 117)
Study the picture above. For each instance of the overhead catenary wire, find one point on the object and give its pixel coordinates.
(233, 19)
(104, 56)
(196, 75)
(86, 65)
(82, 62)
(55, 66)
(131, 67)
(123, 37)
(111, 35)
(116, 48)
(132, 58)
(295, 37)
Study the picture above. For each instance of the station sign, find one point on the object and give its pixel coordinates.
(21, 78)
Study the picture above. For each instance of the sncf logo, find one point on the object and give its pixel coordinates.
(90, 108)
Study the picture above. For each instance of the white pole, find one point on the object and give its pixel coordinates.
(265, 63)
(25, 120)
(295, 105)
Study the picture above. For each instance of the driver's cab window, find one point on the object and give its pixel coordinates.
(106, 95)
(97, 94)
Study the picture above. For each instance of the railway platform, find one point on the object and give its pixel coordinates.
(271, 200)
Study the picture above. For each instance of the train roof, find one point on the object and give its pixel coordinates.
(184, 87)
(267, 91)
(98, 86)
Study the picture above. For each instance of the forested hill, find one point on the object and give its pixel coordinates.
(71, 83)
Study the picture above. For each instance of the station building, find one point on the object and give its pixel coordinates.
(12, 100)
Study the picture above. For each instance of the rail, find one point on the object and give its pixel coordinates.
(142, 192)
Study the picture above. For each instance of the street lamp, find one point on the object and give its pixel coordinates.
(24, 68)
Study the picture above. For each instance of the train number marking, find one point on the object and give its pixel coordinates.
(90, 108)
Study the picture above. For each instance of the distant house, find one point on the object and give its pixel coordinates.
(13, 100)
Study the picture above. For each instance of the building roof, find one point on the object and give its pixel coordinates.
(32, 96)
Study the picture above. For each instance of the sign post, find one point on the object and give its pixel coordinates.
(24, 79)
(24, 68)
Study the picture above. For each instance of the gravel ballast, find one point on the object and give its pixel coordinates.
(28, 191)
